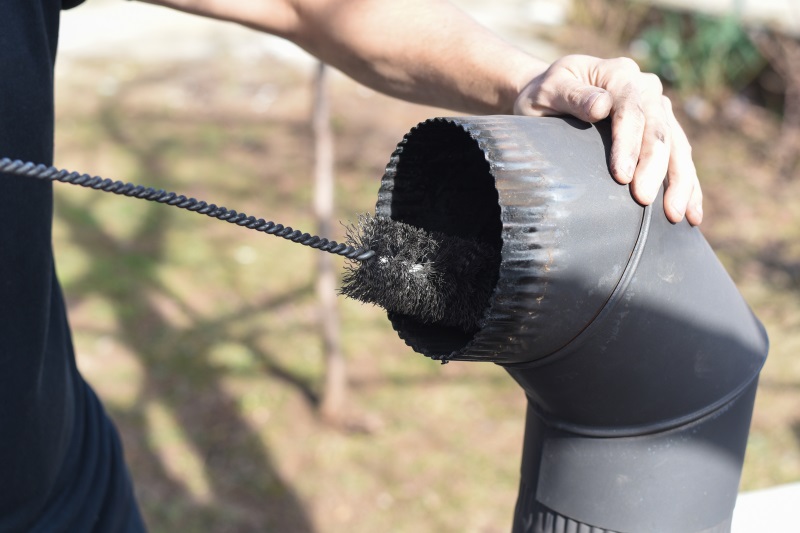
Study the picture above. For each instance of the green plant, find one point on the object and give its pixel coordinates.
(700, 54)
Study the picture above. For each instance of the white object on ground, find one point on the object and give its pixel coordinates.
(776, 509)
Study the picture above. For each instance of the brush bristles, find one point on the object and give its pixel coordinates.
(429, 276)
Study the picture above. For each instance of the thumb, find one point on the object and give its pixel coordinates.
(562, 95)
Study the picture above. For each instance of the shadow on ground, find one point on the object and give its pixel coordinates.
(247, 492)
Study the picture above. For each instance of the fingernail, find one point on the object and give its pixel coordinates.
(628, 170)
(590, 102)
(695, 215)
(645, 198)
(678, 208)
(699, 210)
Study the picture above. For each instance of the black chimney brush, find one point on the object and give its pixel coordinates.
(428, 276)
(408, 271)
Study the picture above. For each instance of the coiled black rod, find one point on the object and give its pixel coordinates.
(45, 173)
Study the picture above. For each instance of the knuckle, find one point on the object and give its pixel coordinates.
(632, 112)
(575, 98)
(680, 184)
(659, 130)
(666, 102)
(624, 63)
(570, 58)
(566, 62)
(652, 82)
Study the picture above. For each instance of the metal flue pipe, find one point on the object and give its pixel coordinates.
(638, 355)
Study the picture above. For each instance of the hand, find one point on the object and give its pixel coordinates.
(647, 142)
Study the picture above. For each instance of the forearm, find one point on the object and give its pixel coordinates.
(425, 51)
(428, 51)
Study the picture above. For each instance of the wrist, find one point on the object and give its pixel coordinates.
(528, 71)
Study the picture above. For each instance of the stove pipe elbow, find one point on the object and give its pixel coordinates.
(638, 355)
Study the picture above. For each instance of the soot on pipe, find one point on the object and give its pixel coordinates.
(638, 356)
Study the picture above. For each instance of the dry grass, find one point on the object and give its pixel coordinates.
(200, 337)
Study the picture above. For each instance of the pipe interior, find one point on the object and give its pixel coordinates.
(444, 183)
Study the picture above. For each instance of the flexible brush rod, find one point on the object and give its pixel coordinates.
(45, 173)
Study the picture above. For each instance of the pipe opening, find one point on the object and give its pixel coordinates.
(440, 180)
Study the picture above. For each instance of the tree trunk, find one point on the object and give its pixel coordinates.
(783, 53)
(334, 391)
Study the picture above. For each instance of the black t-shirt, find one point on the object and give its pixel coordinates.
(61, 465)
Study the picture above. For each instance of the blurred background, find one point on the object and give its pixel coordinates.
(204, 341)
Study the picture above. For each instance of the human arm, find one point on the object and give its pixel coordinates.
(428, 51)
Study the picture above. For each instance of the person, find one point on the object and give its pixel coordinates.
(62, 466)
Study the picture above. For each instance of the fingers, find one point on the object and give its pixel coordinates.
(627, 131)
(683, 196)
(641, 136)
(655, 142)
(647, 144)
